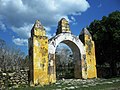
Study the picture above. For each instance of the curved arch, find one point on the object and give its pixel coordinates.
(53, 42)
(76, 46)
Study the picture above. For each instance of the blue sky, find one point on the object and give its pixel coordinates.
(18, 16)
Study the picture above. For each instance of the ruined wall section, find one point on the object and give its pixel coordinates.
(90, 56)
(42, 72)
(40, 58)
(63, 26)
(86, 38)
(38, 55)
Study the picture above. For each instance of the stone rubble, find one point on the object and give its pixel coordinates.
(13, 79)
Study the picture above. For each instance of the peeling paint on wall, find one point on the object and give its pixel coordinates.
(42, 53)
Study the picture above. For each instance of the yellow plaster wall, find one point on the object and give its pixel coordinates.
(39, 32)
(38, 55)
(90, 57)
(40, 60)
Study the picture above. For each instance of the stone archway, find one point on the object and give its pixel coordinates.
(76, 46)
(42, 53)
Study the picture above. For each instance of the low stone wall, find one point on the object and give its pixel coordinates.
(13, 78)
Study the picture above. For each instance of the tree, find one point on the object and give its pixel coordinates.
(11, 58)
(106, 34)
(64, 62)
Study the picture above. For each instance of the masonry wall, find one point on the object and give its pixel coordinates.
(11, 79)
(40, 59)
(90, 57)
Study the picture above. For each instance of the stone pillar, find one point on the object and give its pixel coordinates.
(63, 26)
(86, 38)
(38, 53)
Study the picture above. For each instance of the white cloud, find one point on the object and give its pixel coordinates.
(24, 31)
(47, 28)
(62, 47)
(20, 42)
(2, 26)
(73, 20)
(49, 35)
(21, 14)
(18, 12)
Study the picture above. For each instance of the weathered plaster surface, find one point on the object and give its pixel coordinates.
(78, 51)
(42, 53)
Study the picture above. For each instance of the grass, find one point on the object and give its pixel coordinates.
(78, 84)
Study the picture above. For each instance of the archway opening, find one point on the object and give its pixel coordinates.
(64, 62)
(67, 60)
